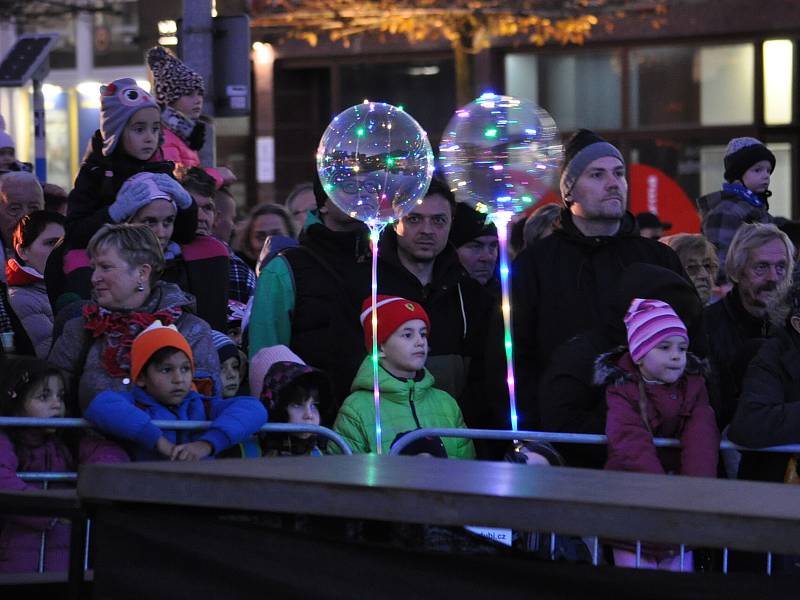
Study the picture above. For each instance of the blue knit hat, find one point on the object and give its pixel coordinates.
(119, 101)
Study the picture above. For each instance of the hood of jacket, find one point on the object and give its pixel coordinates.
(617, 367)
(168, 295)
(21, 275)
(319, 238)
(392, 388)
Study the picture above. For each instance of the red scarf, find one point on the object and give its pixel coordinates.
(119, 329)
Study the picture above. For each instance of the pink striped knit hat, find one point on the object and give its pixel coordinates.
(648, 323)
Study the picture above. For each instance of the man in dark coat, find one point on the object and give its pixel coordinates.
(759, 264)
(769, 408)
(563, 284)
(309, 297)
(416, 261)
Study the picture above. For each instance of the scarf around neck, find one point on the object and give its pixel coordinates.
(118, 330)
(178, 123)
(744, 193)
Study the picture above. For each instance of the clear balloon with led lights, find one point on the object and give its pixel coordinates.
(375, 161)
(501, 154)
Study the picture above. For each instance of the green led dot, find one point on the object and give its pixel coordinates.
(490, 133)
(360, 132)
(401, 107)
(389, 161)
(527, 199)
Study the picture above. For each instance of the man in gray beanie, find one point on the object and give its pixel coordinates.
(743, 198)
(562, 285)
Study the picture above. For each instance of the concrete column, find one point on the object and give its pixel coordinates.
(197, 49)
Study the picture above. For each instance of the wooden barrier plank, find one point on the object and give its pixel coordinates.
(695, 511)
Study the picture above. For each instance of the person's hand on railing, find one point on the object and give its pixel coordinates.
(191, 451)
(165, 447)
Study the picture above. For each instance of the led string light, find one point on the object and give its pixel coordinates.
(501, 220)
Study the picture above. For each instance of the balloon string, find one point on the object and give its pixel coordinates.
(374, 236)
(501, 220)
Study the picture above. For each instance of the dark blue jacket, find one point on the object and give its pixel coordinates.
(130, 416)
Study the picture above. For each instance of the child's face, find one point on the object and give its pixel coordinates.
(191, 105)
(756, 178)
(140, 138)
(231, 377)
(667, 361)
(168, 381)
(405, 351)
(159, 216)
(304, 413)
(7, 158)
(45, 400)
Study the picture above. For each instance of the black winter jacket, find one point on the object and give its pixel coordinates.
(734, 336)
(331, 272)
(96, 187)
(565, 284)
(768, 413)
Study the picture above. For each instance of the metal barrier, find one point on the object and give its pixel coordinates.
(548, 436)
(580, 438)
(170, 425)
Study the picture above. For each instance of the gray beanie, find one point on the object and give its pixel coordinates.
(119, 101)
(582, 149)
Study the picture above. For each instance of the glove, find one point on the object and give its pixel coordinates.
(175, 190)
(132, 196)
(198, 136)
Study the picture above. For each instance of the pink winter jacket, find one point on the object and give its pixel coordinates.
(176, 150)
(20, 536)
(680, 410)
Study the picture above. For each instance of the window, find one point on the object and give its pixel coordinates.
(581, 89)
(116, 35)
(684, 85)
(424, 88)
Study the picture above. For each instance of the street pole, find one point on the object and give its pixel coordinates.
(38, 131)
(197, 44)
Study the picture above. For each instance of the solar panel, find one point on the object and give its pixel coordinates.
(28, 59)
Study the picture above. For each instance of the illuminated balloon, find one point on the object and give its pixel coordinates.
(375, 161)
(501, 154)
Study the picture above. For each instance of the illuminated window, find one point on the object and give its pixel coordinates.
(778, 84)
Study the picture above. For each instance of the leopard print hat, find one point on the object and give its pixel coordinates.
(171, 77)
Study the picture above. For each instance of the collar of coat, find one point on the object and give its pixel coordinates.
(566, 227)
(616, 367)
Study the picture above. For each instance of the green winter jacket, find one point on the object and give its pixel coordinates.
(435, 408)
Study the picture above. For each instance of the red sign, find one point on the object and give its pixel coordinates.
(652, 190)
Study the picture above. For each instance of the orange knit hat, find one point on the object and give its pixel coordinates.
(153, 339)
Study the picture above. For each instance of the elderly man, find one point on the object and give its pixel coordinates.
(565, 283)
(20, 195)
(759, 263)
(476, 243)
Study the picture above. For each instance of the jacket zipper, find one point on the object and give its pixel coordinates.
(413, 408)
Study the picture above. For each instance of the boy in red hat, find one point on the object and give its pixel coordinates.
(408, 399)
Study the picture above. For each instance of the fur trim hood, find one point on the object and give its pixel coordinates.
(616, 367)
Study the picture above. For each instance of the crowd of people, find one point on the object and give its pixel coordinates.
(141, 296)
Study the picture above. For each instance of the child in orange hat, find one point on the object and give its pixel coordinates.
(162, 369)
